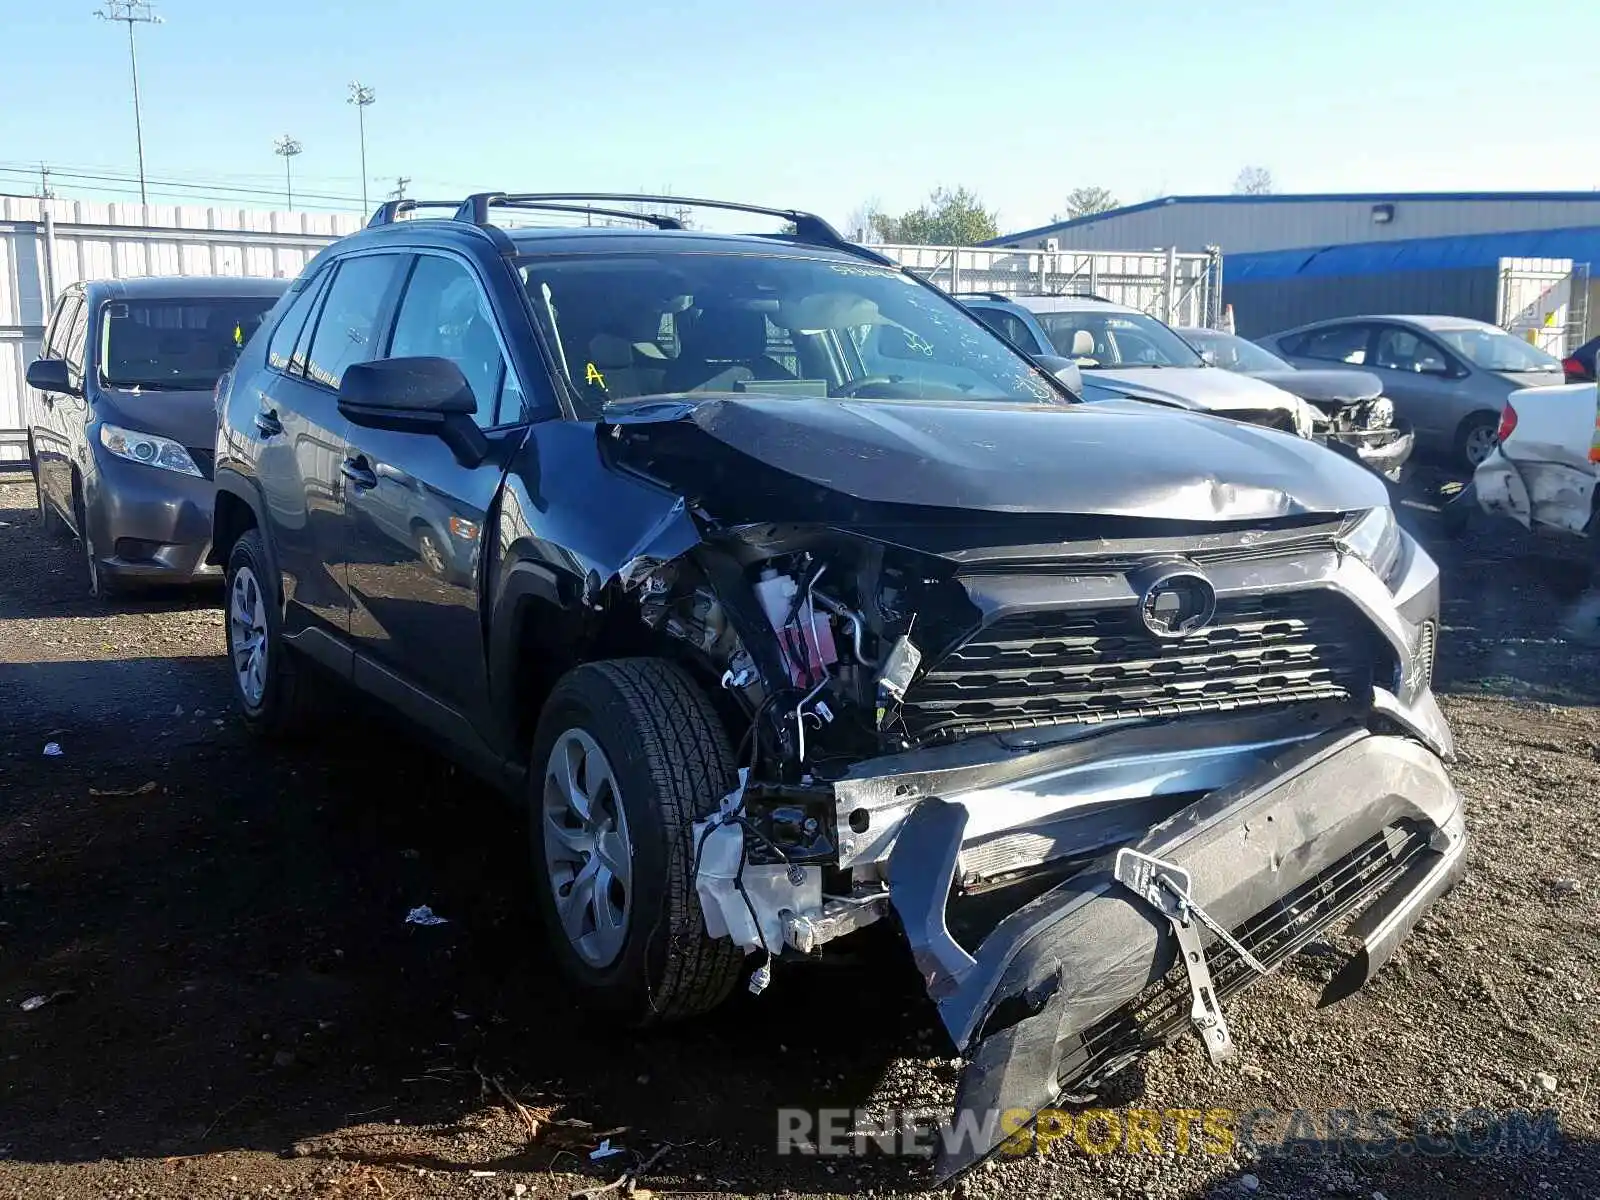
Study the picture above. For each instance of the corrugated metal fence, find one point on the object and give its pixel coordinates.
(46, 245)
(1180, 288)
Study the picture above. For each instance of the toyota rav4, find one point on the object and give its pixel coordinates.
(789, 599)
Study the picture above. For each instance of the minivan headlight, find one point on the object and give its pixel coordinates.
(1375, 540)
(149, 449)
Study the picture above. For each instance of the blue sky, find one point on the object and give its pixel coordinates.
(823, 105)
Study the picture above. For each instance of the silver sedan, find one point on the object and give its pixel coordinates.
(1448, 376)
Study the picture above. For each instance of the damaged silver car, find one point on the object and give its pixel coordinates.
(803, 602)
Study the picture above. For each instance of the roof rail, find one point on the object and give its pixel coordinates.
(808, 227)
(390, 211)
(475, 208)
(984, 295)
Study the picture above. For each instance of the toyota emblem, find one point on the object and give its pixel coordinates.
(1178, 604)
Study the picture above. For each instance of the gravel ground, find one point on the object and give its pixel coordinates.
(235, 1006)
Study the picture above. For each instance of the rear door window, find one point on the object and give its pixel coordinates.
(280, 351)
(351, 326)
(1338, 343)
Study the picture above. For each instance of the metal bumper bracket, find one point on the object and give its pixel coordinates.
(1165, 887)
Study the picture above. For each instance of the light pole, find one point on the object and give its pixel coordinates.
(287, 147)
(362, 96)
(131, 13)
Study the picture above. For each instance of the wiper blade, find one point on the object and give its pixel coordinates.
(156, 385)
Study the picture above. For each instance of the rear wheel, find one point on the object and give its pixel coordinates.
(1476, 439)
(269, 683)
(629, 753)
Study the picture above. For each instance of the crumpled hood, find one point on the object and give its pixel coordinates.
(1325, 387)
(1111, 459)
(1207, 389)
(188, 418)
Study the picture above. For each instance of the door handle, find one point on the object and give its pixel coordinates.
(361, 476)
(267, 423)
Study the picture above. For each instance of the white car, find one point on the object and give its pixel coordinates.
(1542, 472)
(1123, 353)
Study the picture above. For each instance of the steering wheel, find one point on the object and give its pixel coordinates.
(855, 385)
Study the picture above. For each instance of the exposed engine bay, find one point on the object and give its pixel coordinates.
(963, 719)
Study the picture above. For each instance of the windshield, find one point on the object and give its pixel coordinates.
(632, 325)
(175, 345)
(1234, 353)
(1496, 350)
(1094, 339)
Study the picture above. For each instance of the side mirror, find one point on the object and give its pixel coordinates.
(1209, 357)
(1065, 370)
(51, 375)
(415, 395)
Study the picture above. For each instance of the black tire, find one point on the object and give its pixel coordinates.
(432, 553)
(673, 764)
(101, 585)
(284, 704)
(1469, 434)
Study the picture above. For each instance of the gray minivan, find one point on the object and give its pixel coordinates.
(122, 427)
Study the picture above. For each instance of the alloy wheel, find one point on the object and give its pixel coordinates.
(247, 635)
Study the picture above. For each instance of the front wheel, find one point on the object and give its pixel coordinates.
(101, 585)
(629, 753)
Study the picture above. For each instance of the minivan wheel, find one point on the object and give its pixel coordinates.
(101, 585)
(1476, 439)
(268, 684)
(628, 754)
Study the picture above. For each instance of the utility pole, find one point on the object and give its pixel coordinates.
(44, 183)
(131, 13)
(287, 147)
(400, 184)
(362, 97)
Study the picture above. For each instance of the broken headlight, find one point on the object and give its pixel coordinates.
(1375, 540)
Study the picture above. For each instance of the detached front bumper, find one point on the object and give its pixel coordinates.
(1072, 986)
(1385, 451)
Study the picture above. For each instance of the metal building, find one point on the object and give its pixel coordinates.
(1520, 259)
(1247, 224)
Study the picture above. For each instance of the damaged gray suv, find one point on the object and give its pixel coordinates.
(789, 599)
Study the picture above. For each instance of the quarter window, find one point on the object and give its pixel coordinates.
(350, 327)
(444, 314)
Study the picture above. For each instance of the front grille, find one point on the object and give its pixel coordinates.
(1273, 936)
(1087, 666)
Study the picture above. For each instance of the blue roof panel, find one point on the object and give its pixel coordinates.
(1459, 252)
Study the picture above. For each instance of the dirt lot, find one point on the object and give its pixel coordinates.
(236, 1007)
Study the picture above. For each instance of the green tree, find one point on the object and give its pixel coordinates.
(949, 218)
(1086, 201)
